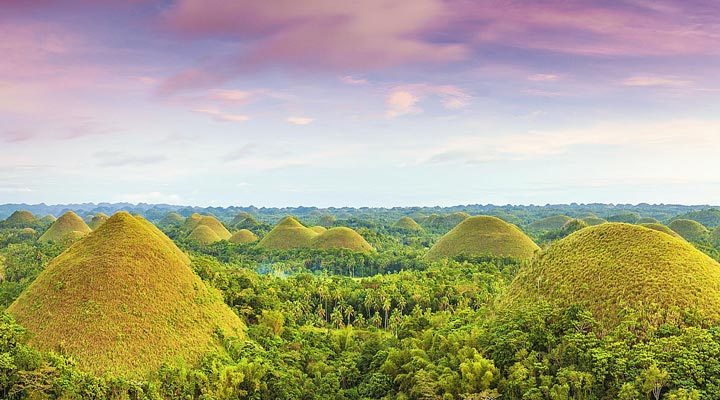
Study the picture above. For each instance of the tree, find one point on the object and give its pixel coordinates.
(653, 379)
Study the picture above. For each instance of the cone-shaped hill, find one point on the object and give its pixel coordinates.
(341, 238)
(216, 226)
(592, 221)
(68, 227)
(553, 223)
(318, 229)
(287, 234)
(484, 236)
(124, 299)
(203, 234)
(243, 236)
(715, 236)
(408, 224)
(97, 220)
(647, 220)
(20, 219)
(242, 217)
(48, 219)
(661, 228)
(192, 221)
(692, 231)
(172, 219)
(611, 267)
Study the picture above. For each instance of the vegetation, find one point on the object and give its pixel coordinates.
(124, 300)
(203, 234)
(243, 236)
(592, 221)
(408, 223)
(612, 268)
(691, 230)
(97, 220)
(172, 219)
(628, 218)
(340, 238)
(68, 228)
(661, 228)
(20, 219)
(709, 217)
(553, 223)
(288, 234)
(215, 225)
(484, 236)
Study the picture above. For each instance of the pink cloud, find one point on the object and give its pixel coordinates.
(323, 34)
(405, 99)
(222, 116)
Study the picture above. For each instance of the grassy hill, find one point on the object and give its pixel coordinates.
(609, 267)
(172, 219)
(408, 224)
(715, 237)
(341, 238)
(203, 234)
(647, 220)
(692, 231)
(553, 223)
(318, 229)
(288, 234)
(67, 228)
(97, 220)
(192, 221)
(124, 299)
(216, 226)
(243, 236)
(20, 219)
(709, 218)
(661, 228)
(592, 221)
(630, 218)
(484, 236)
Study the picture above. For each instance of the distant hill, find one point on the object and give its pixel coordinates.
(67, 228)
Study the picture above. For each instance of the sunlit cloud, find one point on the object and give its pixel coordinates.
(221, 116)
(351, 80)
(300, 120)
(657, 81)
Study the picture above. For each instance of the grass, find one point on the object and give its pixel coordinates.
(447, 220)
(69, 227)
(611, 267)
(592, 221)
(97, 220)
(709, 217)
(715, 237)
(629, 217)
(48, 219)
(318, 229)
(341, 238)
(554, 223)
(172, 219)
(661, 228)
(408, 224)
(124, 300)
(216, 226)
(327, 220)
(647, 220)
(20, 219)
(243, 236)
(192, 221)
(484, 236)
(203, 234)
(692, 231)
(243, 217)
(288, 234)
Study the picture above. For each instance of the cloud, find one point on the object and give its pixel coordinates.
(221, 116)
(321, 35)
(243, 152)
(117, 159)
(655, 81)
(351, 80)
(543, 78)
(405, 99)
(15, 189)
(300, 120)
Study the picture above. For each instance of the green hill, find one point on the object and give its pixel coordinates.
(592, 221)
(97, 220)
(243, 236)
(203, 234)
(341, 238)
(715, 237)
(408, 224)
(244, 218)
(553, 223)
(20, 219)
(661, 228)
(124, 300)
(446, 221)
(48, 219)
(692, 231)
(192, 221)
(327, 220)
(287, 234)
(172, 219)
(318, 229)
(709, 218)
(609, 267)
(630, 218)
(69, 227)
(647, 220)
(216, 226)
(484, 236)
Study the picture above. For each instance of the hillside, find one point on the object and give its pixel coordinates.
(552, 223)
(692, 231)
(203, 234)
(243, 236)
(341, 238)
(20, 219)
(97, 220)
(287, 234)
(215, 225)
(661, 228)
(123, 299)
(408, 224)
(68, 227)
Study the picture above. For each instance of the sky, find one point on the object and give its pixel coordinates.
(373, 103)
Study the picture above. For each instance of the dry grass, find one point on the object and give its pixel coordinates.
(97, 220)
(318, 229)
(692, 231)
(243, 236)
(216, 226)
(124, 300)
(484, 236)
(609, 267)
(288, 234)
(341, 238)
(553, 223)
(592, 221)
(660, 228)
(204, 235)
(408, 224)
(20, 219)
(69, 227)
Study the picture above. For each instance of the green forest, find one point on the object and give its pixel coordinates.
(556, 302)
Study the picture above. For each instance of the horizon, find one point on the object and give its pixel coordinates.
(432, 103)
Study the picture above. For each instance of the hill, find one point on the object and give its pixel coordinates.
(68, 227)
(287, 234)
(608, 267)
(715, 237)
(553, 223)
(243, 236)
(192, 221)
(97, 220)
(592, 221)
(20, 219)
(216, 226)
(646, 220)
(124, 299)
(692, 231)
(709, 217)
(630, 218)
(244, 219)
(172, 219)
(203, 234)
(484, 236)
(661, 228)
(318, 229)
(408, 224)
(48, 219)
(341, 238)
